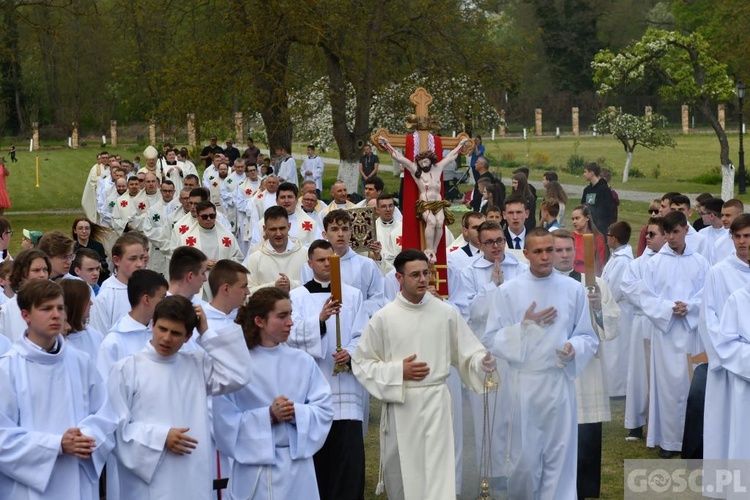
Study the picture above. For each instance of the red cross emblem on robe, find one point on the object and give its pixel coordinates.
(452, 249)
(248, 191)
(399, 240)
(226, 241)
(183, 229)
(124, 203)
(190, 241)
(260, 195)
(215, 184)
(141, 206)
(307, 225)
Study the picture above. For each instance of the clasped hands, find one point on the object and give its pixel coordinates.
(680, 309)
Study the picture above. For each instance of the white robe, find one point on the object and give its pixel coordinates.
(129, 210)
(43, 396)
(88, 199)
(304, 228)
(347, 393)
(126, 337)
(315, 165)
(110, 304)
(542, 447)
(416, 432)
(274, 461)
(87, 340)
(263, 201)
(636, 391)
(616, 351)
(248, 219)
(266, 265)
(670, 277)
(153, 393)
(288, 171)
(389, 236)
(361, 273)
(721, 406)
(723, 247)
(12, 324)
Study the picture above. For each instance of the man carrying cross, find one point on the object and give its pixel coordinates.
(431, 207)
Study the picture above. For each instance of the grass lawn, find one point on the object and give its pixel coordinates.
(63, 173)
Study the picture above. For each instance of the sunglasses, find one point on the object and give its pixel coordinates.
(208, 216)
(650, 234)
(653, 212)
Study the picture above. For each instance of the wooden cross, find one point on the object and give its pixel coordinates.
(411, 230)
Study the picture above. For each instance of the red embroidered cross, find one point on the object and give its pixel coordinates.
(307, 225)
(124, 203)
(190, 241)
(398, 240)
(248, 192)
(226, 241)
(141, 206)
(183, 229)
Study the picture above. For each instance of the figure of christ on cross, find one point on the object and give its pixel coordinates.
(428, 176)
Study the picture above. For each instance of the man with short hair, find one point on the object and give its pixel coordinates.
(542, 328)
(636, 390)
(318, 319)
(598, 197)
(209, 152)
(670, 297)
(128, 207)
(248, 219)
(312, 168)
(356, 270)
(460, 258)
(713, 229)
(228, 282)
(515, 214)
(695, 240)
(369, 164)
(231, 152)
(187, 273)
(482, 168)
(266, 198)
(592, 394)
(302, 226)
(339, 199)
(251, 152)
(56, 425)
(549, 212)
(59, 250)
(724, 246)
(99, 171)
(388, 231)
(280, 259)
(404, 358)
(5, 233)
(87, 266)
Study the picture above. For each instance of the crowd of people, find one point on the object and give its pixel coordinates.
(187, 335)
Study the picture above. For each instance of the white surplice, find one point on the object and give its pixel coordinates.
(721, 405)
(616, 351)
(274, 461)
(110, 304)
(127, 209)
(266, 265)
(87, 340)
(313, 164)
(670, 277)
(43, 396)
(152, 393)
(12, 324)
(416, 432)
(303, 227)
(541, 448)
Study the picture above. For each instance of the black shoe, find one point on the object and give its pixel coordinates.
(668, 454)
(635, 434)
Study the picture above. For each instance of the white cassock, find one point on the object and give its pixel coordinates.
(315, 165)
(616, 351)
(274, 461)
(288, 171)
(43, 396)
(303, 227)
(5, 344)
(87, 340)
(458, 261)
(110, 304)
(473, 297)
(696, 242)
(266, 265)
(721, 405)
(248, 219)
(391, 286)
(389, 236)
(263, 201)
(542, 422)
(127, 208)
(105, 211)
(104, 188)
(670, 277)
(12, 324)
(710, 236)
(636, 391)
(177, 176)
(152, 393)
(733, 353)
(153, 226)
(88, 199)
(416, 433)
(228, 197)
(723, 247)
(156, 171)
(127, 336)
(347, 393)
(363, 274)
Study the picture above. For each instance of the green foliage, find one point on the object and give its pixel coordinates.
(633, 130)
(712, 177)
(575, 164)
(635, 172)
(655, 172)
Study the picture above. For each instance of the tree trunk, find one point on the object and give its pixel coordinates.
(727, 169)
(626, 170)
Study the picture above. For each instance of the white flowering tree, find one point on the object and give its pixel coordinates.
(633, 131)
(310, 110)
(686, 72)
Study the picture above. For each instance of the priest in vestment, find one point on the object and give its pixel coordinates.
(340, 463)
(96, 173)
(301, 226)
(129, 207)
(404, 358)
(542, 328)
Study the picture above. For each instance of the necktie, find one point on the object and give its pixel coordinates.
(517, 241)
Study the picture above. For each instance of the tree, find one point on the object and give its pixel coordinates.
(633, 131)
(686, 73)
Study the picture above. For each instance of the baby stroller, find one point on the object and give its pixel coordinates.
(452, 179)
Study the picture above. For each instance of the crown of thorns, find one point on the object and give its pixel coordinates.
(426, 154)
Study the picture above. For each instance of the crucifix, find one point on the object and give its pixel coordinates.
(421, 140)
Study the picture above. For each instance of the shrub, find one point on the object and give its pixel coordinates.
(575, 164)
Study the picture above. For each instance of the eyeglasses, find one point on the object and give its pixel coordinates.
(208, 216)
(494, 243)
(417, 274)
(653, 212)
(8, 232)
(69, 257)
(610, 235)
